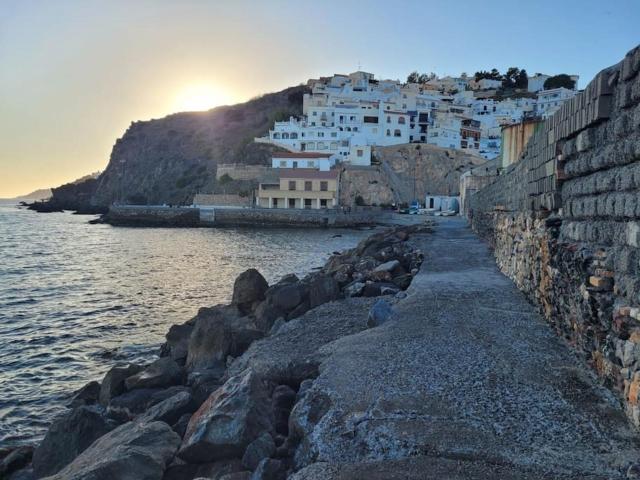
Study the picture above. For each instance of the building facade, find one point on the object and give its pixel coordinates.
(300, 188)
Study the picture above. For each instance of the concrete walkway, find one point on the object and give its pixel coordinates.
(466, 382)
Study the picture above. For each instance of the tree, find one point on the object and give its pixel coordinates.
(557, 81)
(413, 77)
(522, 81)
(423, 78)
(510, 78)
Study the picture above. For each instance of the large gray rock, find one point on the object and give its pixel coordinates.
(270, 469)
(127, 406)
(261, 448)
(219, 332)
(170, 410)
(177, 343)
(15, 460)
(322, 289)
(87, 395)
(248, 289)
(113, 383)
(203, 471)
(266, 314)
(231, 418)
(162, 373)
(389, 266)
(286, 297)
(68, 436)
(133, 451)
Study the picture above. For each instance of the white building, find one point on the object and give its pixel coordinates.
(551, 100)
(319, 161)
(536, 82)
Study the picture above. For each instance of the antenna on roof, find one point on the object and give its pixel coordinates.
(359, 66)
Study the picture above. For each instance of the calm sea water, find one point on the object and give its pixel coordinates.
(76, 298)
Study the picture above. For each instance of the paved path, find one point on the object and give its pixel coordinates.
(466, 382)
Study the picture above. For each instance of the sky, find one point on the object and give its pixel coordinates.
(75, 74)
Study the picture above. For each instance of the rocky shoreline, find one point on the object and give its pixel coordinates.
(227, 397)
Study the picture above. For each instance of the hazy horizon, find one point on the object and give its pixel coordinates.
(76, 74)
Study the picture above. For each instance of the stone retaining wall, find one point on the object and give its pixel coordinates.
(565, 224)
(153, 216)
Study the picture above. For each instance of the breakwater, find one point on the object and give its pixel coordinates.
(131, 215)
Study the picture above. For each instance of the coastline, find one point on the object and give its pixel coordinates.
(241, 323)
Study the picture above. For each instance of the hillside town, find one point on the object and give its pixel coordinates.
(346, 115)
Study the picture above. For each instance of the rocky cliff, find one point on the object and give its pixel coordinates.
(406, 172)
(169, 159)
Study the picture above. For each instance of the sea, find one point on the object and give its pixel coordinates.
(77, 298)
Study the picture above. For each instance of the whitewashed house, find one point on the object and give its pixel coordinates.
(319, 161)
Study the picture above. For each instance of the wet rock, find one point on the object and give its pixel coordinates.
(164, 372)
(248, 289)
(270, 469)
(261, 448)
(322, 289)
(68, 436)
(15, 460)
(231, 418)
(137, 451)
(379, 313)
(177, 344)
(113, 383)
(170, 410)
(87, 395)
(220, 332)
(127, 406)
(266, 314)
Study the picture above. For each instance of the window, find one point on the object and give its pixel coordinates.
(294, 135)
(360, 153)
(322, 146)
(324, 186)
(388, 119)
(308, 186)
(275, 203)
(323, 203)
(401, 120)
(320, 134)
(307, 203)
(334, 146)
(388, 132)
(334, 134)
(355, 129)
(397, 133)
(283, 163)
(285, 136)
(276, 135)
(292, 184)
(295, 164)
(292, 203)
(314, 113)
(311, 145)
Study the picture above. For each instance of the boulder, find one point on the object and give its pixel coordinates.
(133, 451)
(248, 289)
(265, 316)
(375, 289)
(261, 448)
(286, 297)
(270, 469)
(389, 266)
(231, 418)
(237, 476)
(403, 281)
(127, 406)
(298, 311)
(68, 436)
(87, 395)
(380, 312)
(322, 289)
(162, 373)
(219, 333)
(205, 381)
(169, 410)
(177, 343)
(15, 460)
(180, 427)
(113, 383)
(276, 326)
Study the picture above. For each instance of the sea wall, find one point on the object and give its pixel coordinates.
(565, 224)
(288, 217)
(153, 216)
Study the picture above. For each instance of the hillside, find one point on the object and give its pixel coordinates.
(407, 172)
(170, 159)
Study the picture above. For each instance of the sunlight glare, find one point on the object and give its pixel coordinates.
(200, 97)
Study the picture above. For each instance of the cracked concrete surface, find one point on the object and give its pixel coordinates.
(466, 381)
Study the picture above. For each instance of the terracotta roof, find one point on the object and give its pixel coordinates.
(308, 173)
(301, 155)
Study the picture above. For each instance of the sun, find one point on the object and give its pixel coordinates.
(200, 97)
